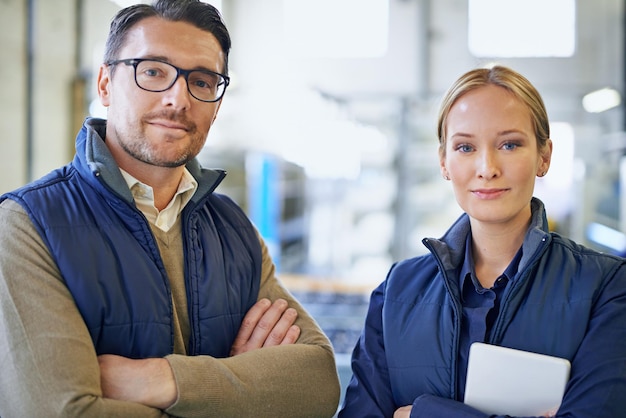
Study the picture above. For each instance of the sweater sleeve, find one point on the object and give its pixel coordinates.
(297, 380)
(48, 362)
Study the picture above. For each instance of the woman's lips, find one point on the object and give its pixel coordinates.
(489, 193)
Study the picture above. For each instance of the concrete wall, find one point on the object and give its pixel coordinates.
(39, 120)
(35, 126)
(12, 94)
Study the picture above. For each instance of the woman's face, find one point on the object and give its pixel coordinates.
(491, 155)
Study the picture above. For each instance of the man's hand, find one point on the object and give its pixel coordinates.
(266, 324)
(148, 381)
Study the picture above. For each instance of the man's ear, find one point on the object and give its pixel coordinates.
(104, 85)
(219, 104)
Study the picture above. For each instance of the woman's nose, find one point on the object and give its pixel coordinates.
(488, 166)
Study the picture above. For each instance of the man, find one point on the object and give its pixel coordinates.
(128, 288)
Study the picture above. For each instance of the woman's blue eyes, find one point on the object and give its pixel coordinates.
(510, 146)
(507, 146)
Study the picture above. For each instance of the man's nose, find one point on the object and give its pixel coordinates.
(178, 95)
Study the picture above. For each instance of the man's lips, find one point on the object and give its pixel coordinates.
(170, 124)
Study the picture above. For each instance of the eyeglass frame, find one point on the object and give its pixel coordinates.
(134, 62)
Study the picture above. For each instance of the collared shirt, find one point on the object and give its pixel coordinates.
(480, 306)
(144, 199)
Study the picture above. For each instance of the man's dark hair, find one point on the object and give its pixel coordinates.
(201, 15)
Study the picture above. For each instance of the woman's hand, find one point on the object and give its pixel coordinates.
(404, 412)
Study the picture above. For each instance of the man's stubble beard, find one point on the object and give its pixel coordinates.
(140, 148)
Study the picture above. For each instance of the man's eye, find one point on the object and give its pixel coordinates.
(152, 72)
(203, 81)
(202, 84)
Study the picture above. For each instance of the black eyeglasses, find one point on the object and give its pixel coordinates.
(154, 75)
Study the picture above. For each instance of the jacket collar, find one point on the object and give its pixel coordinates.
(94, 160)
(450, 248)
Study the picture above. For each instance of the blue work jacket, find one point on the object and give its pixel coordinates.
(566, 301)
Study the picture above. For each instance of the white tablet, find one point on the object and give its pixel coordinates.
(504, 381)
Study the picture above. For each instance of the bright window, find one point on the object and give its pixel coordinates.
(336, 28)
(522, 28)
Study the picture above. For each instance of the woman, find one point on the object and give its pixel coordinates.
(497, 275)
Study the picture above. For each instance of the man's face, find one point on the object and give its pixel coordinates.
(162, 129)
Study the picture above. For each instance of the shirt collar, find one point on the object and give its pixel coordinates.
(467, 268)
(144, 199)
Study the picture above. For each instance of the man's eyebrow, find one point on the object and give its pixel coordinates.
(165, 59)
(155, 57)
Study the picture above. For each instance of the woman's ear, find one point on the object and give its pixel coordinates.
(444, 170)
(442, 164)
(545, 156)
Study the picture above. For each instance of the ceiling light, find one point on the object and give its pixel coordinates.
(601, 100)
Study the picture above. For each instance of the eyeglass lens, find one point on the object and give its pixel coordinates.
(160, 76)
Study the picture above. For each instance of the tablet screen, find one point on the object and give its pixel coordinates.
(505, 381)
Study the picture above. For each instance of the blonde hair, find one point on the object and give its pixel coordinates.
(503, 77)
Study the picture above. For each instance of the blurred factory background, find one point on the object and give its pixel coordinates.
(328, 130)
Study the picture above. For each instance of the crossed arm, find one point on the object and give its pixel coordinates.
(151, 381)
